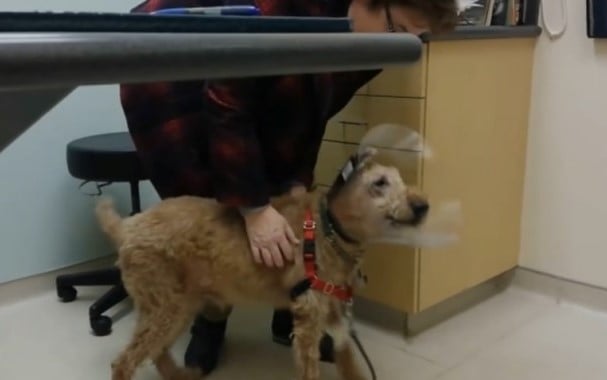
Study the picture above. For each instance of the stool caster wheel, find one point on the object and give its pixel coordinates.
(66, 293)
(101, 325)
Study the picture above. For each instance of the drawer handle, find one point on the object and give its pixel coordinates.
(357, 123)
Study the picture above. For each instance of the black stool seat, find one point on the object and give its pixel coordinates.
(109, 157)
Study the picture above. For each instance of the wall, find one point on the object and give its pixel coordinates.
(45, 221)
(565, 210)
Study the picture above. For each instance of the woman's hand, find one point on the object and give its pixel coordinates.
(270, 237)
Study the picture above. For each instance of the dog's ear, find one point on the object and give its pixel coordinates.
(356, 162)
(364, 155)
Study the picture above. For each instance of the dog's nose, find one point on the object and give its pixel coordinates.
(420, 208)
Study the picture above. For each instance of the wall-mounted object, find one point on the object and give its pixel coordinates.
(596, 18)
(530, 10)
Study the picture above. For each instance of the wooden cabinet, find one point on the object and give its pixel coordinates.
(470, 100)
(405, 111)
(407, 81)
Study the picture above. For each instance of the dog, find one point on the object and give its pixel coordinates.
(186, 251)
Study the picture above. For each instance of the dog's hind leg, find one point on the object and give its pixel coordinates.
(156, 331)
(169, 370)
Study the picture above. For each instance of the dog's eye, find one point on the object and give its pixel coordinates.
(382, 182)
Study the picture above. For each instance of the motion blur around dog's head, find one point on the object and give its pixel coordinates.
(370, 199)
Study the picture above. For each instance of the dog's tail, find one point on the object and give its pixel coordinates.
(109, 219)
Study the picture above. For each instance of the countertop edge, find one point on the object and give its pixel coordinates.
(486, 32)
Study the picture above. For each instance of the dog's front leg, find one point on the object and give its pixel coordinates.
(345, 360)
(306, 338)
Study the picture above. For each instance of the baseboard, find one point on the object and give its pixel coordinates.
(561, 289)
(428, 318)
(413, 324)
(379, 315)
(18, 290)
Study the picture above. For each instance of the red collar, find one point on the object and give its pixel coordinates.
(343, 293)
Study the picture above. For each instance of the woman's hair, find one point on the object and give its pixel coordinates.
(441, 14)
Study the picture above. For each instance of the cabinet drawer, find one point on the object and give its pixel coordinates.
(354, 111)
(331, 158)
(402, 111)
(364, 90)
(334, 131)
(352, 114)
(401, 81)
(392, 275)
(353, 119)
(354, 132)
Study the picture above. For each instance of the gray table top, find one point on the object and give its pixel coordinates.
(31, 60)
(37, 70)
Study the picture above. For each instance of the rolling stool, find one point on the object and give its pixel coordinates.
(104, 159)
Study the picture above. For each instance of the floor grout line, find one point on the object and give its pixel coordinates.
(500, 338)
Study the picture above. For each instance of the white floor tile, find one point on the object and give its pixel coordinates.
(456, 339)
(515, 335)
(43, 337)
(567, 343)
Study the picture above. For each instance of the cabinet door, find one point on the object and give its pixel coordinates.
(477, 125)
(352, 114)
(391, 271)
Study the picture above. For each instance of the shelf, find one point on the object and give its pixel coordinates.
(487, 32)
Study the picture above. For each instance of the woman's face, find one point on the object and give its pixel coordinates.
(392, 19)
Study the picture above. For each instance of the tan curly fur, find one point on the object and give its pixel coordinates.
(186, 251)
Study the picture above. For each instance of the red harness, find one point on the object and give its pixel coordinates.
(343, 293)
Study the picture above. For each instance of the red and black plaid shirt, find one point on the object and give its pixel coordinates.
(242, 140)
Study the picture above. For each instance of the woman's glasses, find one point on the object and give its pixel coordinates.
(391, 28)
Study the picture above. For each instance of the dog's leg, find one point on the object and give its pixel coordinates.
(344, 353)
(307, 333)
(169, 370)
(156, 330)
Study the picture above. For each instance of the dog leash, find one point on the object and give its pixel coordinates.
(356, 339)
(364, 354)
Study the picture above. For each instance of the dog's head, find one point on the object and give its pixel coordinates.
(371, 199)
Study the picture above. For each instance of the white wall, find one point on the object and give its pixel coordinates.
(565, 207)
(45, 221)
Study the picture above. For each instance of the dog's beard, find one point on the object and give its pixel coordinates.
(438, 229)
(400, 144)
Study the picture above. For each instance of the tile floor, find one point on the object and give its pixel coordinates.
(515, 335)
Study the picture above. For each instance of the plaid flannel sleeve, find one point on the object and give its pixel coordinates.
(236, 157)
